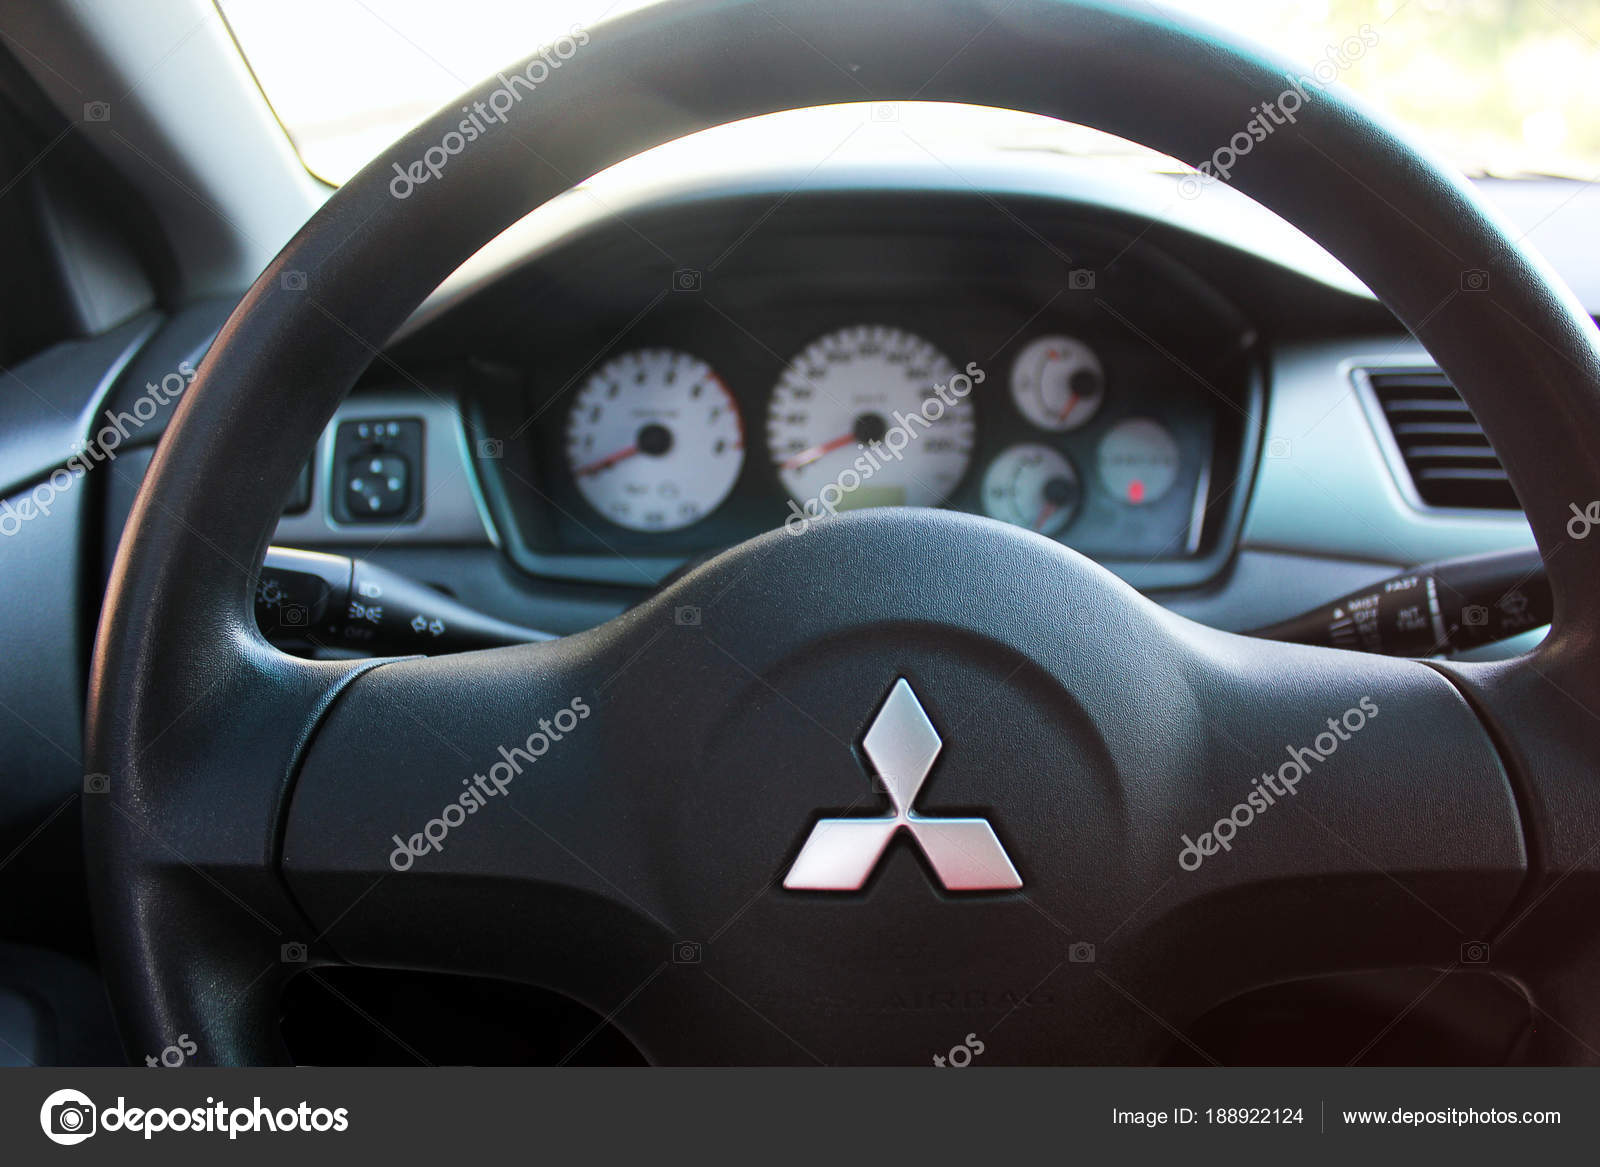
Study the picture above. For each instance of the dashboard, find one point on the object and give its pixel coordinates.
(876, 285)
(1104, 396)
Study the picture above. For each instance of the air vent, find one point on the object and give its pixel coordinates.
(1444, 447)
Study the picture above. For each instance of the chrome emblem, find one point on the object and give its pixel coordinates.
(840, 854)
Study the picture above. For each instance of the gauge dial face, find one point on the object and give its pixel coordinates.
(1032, 486)
(1057, 383)
(1138, 461)
(654, 440)
(857, 420)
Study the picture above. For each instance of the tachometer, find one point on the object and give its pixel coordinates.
(872, 416)
(654, 440)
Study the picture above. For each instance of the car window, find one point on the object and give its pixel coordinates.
(1503, 87)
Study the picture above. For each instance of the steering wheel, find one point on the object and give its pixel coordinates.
(767, 816)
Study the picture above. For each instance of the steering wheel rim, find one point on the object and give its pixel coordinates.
(229, 847)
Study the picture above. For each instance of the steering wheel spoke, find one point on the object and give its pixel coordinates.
(1345, 812)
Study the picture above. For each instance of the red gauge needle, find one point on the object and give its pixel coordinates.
(1045, 512)
(1072, 400)
(607, 462)
(806, 457)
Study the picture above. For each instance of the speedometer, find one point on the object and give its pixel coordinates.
(654, 441)
(871, 416)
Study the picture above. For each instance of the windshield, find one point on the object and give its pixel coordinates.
(1502, 87)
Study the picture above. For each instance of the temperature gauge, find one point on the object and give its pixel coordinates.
(1138, 460)
(1057, 383)
(1032, 486)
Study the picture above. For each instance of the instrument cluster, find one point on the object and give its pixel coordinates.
(1057, 435)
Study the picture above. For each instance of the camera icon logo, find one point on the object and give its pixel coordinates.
(686, 952)
(1475, 616)
(1081, 953)
(1081, 279)
(1475, 279)
(1279, 448)
(97, 111)
(1474, 952)
(293, 616)
(293, 952)
(885, 111)
(67, 1117)
(491, 448)
(686, 279)
(97, 783)
(688, 616)
(293, 281)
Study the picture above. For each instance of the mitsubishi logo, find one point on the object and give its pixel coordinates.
(840, 854)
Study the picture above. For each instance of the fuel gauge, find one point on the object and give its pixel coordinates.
(1057, 383)
(1032, 486)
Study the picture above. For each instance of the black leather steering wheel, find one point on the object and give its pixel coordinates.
(637, 861)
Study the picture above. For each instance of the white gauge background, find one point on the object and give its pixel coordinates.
(1042, 383)
(615, 433)
(1138, 460)
(850, 384)
(1017, 488)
